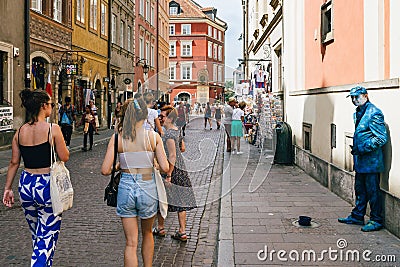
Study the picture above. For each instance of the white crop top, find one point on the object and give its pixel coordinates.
(138, 159)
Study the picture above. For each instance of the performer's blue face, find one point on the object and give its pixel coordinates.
(359, 100)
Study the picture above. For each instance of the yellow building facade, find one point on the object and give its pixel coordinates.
(90, 55)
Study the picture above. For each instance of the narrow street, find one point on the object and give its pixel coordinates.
(92, 234)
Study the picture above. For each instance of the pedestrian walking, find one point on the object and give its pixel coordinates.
(137, 191)
(88, 120)
(152, 122)
(96, 116)
(180, 192)
(182, 118)
(218, 115)
(237, 127)
(67, 117)
(368, 139)
(228, 111)
(207, 116)
(117, 115)
(32, 141)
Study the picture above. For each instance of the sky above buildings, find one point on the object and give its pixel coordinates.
(229, 11)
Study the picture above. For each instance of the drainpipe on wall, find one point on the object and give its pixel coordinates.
(109, 91)
(157, 47)
(27, 46)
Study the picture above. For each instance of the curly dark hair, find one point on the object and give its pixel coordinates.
(33, 101)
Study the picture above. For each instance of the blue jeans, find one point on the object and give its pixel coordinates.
(367, 189)
(137, 197)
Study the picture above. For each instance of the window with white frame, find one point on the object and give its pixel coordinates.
(172, 49)
(215, 72)
(147, 10)
(215, 33)
(210, 49)
(172, 71)
(103, 23)
(152, 16)
(172, 29)
(186, 69)
(114, 29)
(141, 7)
(152, 56)
(37, 5)
(220, 35)
(220, 79)
(57, 10)
(186, 47)
(147, 51)
(128, 38)
(210, 31)
(80, 10)
(186, 29)
(215, 52)
(141, 47)
(220, 53)
(121, 34)
(173, 10)
(326, 22)
(93, 14)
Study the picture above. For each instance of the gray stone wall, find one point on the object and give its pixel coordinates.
(341, 182)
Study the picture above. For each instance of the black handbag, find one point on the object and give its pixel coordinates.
(111, 191)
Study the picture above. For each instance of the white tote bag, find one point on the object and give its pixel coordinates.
(162, 194)
(61, 191)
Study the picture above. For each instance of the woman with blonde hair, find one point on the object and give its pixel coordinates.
(137, 191)
(33, 142)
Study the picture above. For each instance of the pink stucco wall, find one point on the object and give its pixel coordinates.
(342, 61)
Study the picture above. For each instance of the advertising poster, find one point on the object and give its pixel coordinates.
(6, 118)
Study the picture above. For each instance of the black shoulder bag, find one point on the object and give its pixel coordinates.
(111, 191)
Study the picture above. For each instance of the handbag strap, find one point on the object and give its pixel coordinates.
(115, 154)
(52, 150)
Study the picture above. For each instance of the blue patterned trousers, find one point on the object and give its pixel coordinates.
(34, 191)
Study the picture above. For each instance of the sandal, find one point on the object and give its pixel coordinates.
(159, 232)
(179, 236)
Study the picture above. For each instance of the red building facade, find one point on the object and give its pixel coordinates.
(197, 48)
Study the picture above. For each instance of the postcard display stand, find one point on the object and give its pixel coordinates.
(270, 112)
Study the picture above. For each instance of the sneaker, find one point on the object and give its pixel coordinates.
(68, 148)
(350, 220)
(372, 226)
(239, 152)
(233, 152)
(84, 149)
(210, 128)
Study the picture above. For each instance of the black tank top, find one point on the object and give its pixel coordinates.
(37, 156)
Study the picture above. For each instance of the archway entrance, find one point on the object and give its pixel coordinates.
(39, 72)
(184, 97)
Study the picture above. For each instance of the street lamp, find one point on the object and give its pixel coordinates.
(146, 68)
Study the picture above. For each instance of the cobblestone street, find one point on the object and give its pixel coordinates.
(92, 234)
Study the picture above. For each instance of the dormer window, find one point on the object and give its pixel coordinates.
(173, 10)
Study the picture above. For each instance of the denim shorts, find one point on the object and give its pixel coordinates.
(136, 197)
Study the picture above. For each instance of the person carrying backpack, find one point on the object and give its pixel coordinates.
(67, 117)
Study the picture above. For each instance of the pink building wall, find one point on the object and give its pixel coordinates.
(339, 62)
